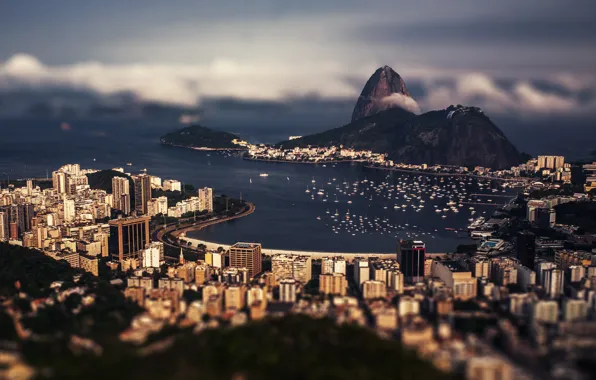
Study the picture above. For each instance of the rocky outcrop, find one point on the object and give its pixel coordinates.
(380, 93)
(458, 135)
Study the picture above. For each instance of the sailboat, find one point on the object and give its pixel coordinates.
(250, 180)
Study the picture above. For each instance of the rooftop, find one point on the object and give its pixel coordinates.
(246, 245)
(454, 266)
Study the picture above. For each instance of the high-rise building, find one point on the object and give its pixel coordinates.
(456, 277)
(361, 270)
(214, 259)
(4, 229)
(69, 210)
(121, 194)
(545, 217)
(374, 289)
(526, 248)
(302, 268)
(142, 184)
(282, 266)
(411, 256)
(205, 199)
(551, 162)
(234, 297)
(153, 255)
(553, 282)
(545, 312)
(59, 182)
(287, 290)
(246, 255)
(335, 284)
(128, 237)
(333, 265)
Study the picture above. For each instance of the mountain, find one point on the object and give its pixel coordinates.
(458, 135)
(196, 136)
(384, 89)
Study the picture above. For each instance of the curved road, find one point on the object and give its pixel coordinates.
(177, 230)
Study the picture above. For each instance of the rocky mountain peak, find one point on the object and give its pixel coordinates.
(383, 90)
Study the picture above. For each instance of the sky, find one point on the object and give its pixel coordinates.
(525, 60)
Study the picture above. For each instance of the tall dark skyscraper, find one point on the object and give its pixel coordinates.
(526, 248)
(411, 255)
(142, 184)
(128, 236)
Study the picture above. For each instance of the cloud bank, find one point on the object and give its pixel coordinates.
(187, 85)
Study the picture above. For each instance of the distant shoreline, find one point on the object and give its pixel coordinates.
(442, 174)
(201, 148)
(302, 162)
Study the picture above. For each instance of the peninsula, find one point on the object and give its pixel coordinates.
(201, 138)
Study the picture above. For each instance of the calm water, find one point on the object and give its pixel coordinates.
(287, 217)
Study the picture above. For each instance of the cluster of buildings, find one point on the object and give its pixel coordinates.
(531, 296)
(309, 154)
(71, 221)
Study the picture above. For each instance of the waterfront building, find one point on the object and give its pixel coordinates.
(411, 257)
(142, 185)
(334, 264)
(282, 266)
(128, 237)
(205, 199)
(292, 266)
(246, 255)
(361, 270)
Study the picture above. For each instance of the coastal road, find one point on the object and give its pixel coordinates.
(177, 230)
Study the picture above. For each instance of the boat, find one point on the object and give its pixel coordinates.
(129, 164)
(263, 175)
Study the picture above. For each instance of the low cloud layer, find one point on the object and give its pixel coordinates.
(187, 85)
(403, 101)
